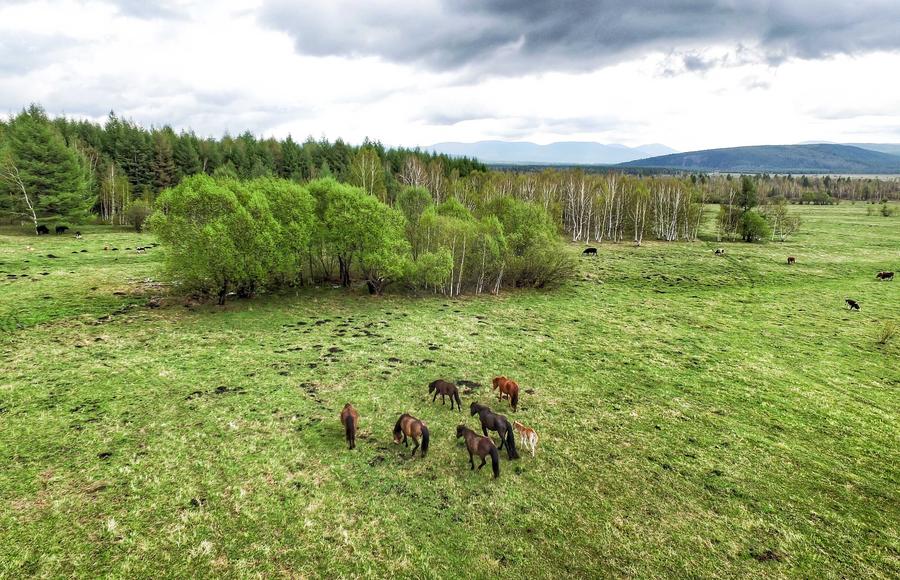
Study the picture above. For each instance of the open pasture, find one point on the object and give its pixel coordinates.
(698, 416)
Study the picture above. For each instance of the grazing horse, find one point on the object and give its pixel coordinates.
(500, 424)
(885, 275)
(589, 252)
(445, 389)
(852, 304)
(480, 446)
(720, 251)
(408, 426)
(350, 420)
(42, 230)
(791, 260)
(507, 387)
(61, 229)
(528, 436)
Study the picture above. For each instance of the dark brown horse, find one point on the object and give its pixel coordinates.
(408, 426)
(508, 388)
(480, 446)
(791, 260)
(445, 389)
(350, 420)
(494, 422)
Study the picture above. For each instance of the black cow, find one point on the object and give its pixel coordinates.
(589, 252)
(61, 229)
(42, 229)
(885, 275)
(852, 304)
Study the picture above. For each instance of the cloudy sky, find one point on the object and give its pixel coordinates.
(689, 74)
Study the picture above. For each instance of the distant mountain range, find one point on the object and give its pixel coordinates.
(807, 158)
(561, 153)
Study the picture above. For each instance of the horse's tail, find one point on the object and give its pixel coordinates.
(458, 402)
(495, 462)
(350, 426)
(511, 442)
(425, 438)
(514, 398)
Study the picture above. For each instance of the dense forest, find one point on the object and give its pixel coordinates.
(56, 170)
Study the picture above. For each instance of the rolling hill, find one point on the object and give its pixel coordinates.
(809, 158)
(560, 153)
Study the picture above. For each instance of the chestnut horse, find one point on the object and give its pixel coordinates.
(445, 389)
(500, 424)
(791, 260)
(480, 446)
(408, 426)
(350, 420)
(507, 387)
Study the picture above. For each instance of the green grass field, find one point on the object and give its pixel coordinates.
(699, 417)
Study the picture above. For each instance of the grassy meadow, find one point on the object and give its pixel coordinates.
(699, 416)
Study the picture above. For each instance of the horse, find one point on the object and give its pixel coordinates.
(42, 230)
(445, 389)
(408, 426)
(61, 229)
(507, 387)
(852, 304)
(528, 436)
(885, 275)
(500, 424)
(350, 420)
(589, 252)
(480, 446)
(791, 260)
(720, 251)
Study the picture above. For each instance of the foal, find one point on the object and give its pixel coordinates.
(445, 389)
(350, 420)
(500, 424)
(408, 426)
(528, 436)
(507, 387)
(480, 446)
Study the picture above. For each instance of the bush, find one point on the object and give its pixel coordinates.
(886, 332)
(137, 214)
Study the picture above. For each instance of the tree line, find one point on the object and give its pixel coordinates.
(68, 170)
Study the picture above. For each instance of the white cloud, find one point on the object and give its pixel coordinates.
(219, 67)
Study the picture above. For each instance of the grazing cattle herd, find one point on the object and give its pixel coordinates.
(409, 427)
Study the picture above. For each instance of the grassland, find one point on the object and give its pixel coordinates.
(699, 416)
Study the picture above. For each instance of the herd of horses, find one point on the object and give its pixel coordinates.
(791, 260)
(409, 427)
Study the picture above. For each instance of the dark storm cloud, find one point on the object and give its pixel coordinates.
(511, 36)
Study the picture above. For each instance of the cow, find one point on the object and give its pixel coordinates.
(589, 252)
(885, 275)
(42, 230)
(61, 229)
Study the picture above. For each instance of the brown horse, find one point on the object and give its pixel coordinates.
(350, 420)
(508, 388)
(791, 260)
(491, 421)
(480, 446)
(445, 389)
(408, 426)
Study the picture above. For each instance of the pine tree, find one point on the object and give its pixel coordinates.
(164, 174)
(187, 161)
(52, 173)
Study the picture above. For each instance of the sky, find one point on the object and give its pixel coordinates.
(688, 74)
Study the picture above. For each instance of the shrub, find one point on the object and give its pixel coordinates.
(886, 332)
(137, 214)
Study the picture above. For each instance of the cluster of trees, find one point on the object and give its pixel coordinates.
(225, 235)
(67, 170)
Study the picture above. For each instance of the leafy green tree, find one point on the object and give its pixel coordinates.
(367, 172)
(207, 232)
(754, 227)
(137, 214)
(293, 210)
(187, 160)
